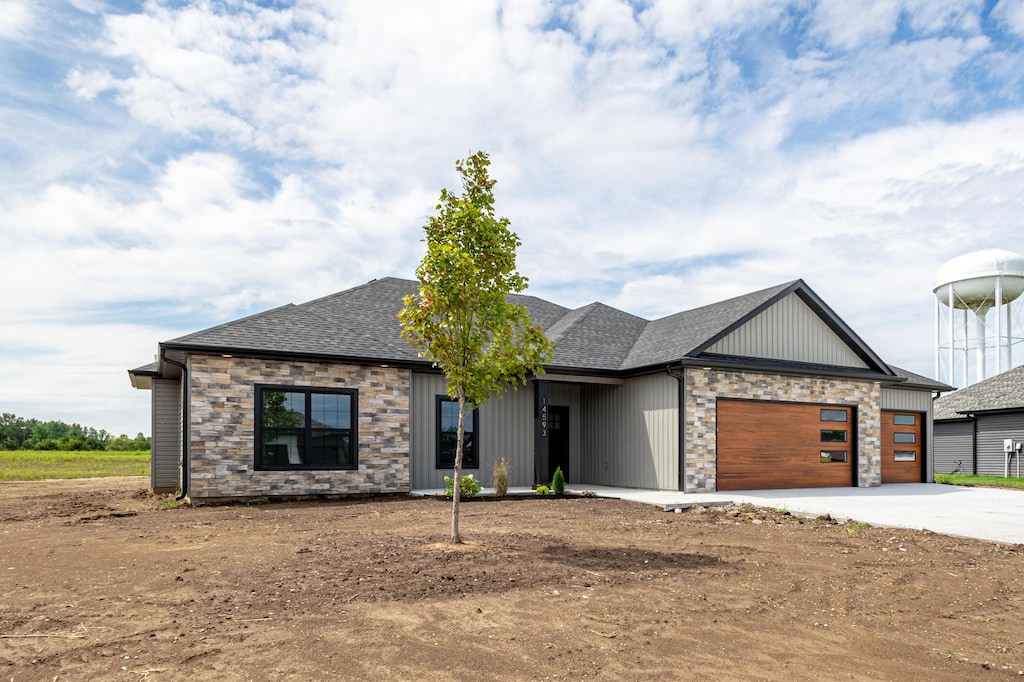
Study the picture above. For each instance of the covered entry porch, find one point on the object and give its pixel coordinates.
(621, 433)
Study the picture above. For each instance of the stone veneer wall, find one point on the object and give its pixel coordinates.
(222, 432)
(705, 386)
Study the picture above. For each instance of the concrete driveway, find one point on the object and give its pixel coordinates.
(984, 513)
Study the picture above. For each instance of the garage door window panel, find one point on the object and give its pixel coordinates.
(830, 456)
(834, 436)
(828, 415)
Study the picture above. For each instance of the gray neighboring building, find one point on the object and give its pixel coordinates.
(972, 423)
(766, 390)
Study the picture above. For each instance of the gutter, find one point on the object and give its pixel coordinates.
(681, 380)
(185, 460)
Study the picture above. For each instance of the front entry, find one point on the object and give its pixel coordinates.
(558, 443)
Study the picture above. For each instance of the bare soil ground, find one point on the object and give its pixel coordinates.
(97, 583)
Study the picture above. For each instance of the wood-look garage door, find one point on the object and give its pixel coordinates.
(902, 460)
(784, 445)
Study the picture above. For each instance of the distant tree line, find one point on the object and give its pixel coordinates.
(17, 433)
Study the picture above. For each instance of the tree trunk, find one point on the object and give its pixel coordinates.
(457, 482)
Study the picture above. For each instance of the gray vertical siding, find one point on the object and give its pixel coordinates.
(630, 433)
(992, 429)
(906, 399)
(506, 430)
(788, 330)
(166, 435)
(909, 400)
(954, 440)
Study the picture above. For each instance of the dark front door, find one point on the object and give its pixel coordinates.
(558, 442)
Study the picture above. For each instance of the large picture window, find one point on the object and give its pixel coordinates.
(448, 431)
(306, 428)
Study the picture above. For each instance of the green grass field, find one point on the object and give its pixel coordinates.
(983, 481)
(36, 465)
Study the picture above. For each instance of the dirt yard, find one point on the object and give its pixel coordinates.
(98, 583)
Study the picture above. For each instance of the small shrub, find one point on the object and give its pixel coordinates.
(468, 486)
(500, 473)
(543, 490)
(558, 482)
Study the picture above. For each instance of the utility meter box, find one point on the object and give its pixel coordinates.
(1008, 445)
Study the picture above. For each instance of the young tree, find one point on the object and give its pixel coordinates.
(461, 318)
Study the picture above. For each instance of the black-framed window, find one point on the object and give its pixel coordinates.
(905, 456)
(904, 438)
(904, 419)
(306, 428)
(828, 415)
(829, 456)
(833, 436)
(448, 435)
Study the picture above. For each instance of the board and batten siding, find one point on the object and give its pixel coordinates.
(954, 441)
(788, 330)
(506, 430)
(910, 400)
(165, 444)
(992, 430)
(630, 433)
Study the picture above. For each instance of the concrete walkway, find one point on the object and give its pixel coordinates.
(983, 513)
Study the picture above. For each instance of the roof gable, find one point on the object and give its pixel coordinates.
(788, 329)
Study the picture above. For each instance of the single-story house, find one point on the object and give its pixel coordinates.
(767, 390)
(971, 425)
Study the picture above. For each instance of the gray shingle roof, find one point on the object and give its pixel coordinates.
(361, 323)
(1002, 392)
(672, 338)
(595, 336)
(919, 381)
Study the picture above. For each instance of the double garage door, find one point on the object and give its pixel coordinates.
(764, 445)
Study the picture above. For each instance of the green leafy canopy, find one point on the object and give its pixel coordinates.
(461, 318)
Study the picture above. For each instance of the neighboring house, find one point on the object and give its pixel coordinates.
(972, 423)
(775, 391)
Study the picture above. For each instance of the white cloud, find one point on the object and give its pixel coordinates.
(1011, 14)
(218, 158)
(15, 19)
(199, 239)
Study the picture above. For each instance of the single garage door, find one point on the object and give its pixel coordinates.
(902, 459)
(784, 445)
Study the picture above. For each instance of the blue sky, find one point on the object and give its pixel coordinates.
(166, 166)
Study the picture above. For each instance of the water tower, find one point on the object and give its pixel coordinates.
(978, 317)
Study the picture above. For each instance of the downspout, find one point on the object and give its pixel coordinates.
(974, 444)
(185, 462)
(681, 380)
